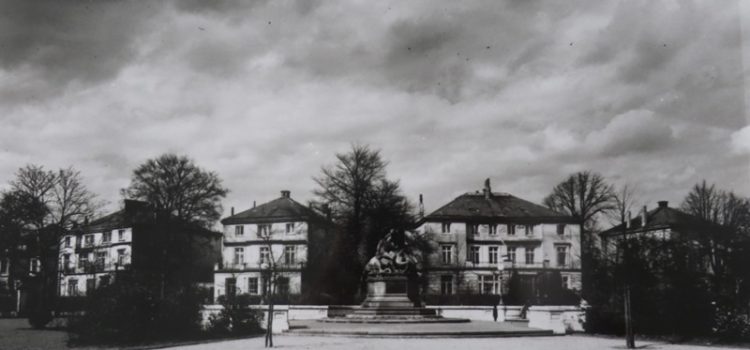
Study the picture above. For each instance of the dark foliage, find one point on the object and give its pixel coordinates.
(548, 291)
(176, 186)
(129, 311)
(356, 193)
(236, 317)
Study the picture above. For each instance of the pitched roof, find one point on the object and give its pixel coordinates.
(280, 209)
(496, 206)
(132, 213)
(660, 218)
(135, 213)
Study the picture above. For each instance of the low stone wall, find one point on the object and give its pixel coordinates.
(559, 319)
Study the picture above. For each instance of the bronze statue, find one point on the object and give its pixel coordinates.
(393, 256)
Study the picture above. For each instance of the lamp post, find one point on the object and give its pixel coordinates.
(499, 273)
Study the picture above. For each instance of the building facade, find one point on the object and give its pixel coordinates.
(484, 237)
(277, 235)
(128, 240)
(661, 223)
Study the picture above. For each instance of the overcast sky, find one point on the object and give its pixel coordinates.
(264, 93)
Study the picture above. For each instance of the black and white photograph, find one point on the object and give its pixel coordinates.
(349, 174)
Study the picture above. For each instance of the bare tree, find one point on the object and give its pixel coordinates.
(583, 195)
(72, 201)
(35, 181)
(703, 201)
(176, 186)
(366, 205)
(623, 201)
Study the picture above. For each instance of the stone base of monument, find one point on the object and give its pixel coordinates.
(387, 302)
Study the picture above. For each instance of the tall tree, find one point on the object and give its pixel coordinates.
(175, 185)
(583, 195)
(360, 198)
(730, 215)
(623, 200)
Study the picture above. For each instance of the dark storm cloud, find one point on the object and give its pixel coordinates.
(265, 92)
(56, 43)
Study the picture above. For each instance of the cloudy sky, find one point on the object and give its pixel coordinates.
(265, 92)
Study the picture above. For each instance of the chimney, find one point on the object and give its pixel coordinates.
(663, 204)
(421, 206)
(627, 220)
(644, 213)
(285, 194)
(232, 211)
(487, 189)
(253, 204)
(86, 221)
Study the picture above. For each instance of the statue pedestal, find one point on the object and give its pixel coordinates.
(387, 291)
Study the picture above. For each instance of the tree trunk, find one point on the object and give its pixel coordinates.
(629, 336)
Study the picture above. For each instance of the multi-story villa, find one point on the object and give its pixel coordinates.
(274, 235)
(484, 237)
(92, 254)
(663, 223)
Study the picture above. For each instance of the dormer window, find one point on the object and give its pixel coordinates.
(446, 227)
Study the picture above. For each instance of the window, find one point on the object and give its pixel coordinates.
(100, 258)
(239, 230)
(512, 254)
(239, 256)
(446, 285)
(511, 230)
(492, 229)
(34, 265)
(252, 285)
(565, 280)
(529, 255)
(489, 284)
(265, 255)
(231, 286)
(120, 235)
(66, 262)
(446, 227)
(67, 241)
(282, 285)
(90, 285)
(264, 229)
(290, 227)
(88, 240)
(290, 255)
(72, 287)
(474, 254)
(493, 255)
(561, 229)
(529, 229)
(472, 229)
(121, 257)
(106, 237)
(82, 261)
(447, 254)
(562, 255)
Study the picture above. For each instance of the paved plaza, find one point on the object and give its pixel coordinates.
(569, 342)
(15, 334)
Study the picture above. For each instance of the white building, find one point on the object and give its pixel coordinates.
(126, 240)
(276, 234)
(483, 237)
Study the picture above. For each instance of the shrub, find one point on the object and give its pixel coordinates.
(128, 312)
(236, 317)
(732, 324)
